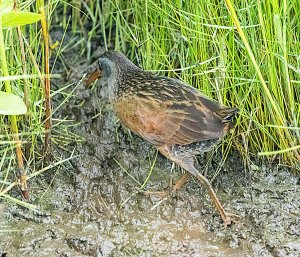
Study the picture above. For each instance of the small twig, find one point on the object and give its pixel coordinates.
(159, 203)
(18, 182)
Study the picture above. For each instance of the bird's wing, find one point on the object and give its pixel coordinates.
(170, 121)
(181, 123)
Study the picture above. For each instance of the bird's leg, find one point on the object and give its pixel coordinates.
(188, 164)
(181, 181)
(226, 217)
(177, 186)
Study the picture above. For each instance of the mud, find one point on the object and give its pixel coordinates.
(93, 205)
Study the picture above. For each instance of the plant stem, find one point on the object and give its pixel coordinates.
(13, 118)
(26, 91)
(48, 122)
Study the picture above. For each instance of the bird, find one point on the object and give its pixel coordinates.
(171, 115)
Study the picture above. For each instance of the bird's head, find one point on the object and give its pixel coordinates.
(113, 67)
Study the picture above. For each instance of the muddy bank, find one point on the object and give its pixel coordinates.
(93, 205)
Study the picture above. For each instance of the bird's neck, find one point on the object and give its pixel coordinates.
(122, 85)
(112, 89)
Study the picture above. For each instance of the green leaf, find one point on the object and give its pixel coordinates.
(11, 104)
(16, 18)
(7, 6)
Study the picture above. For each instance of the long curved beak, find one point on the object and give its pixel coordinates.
(91, 77)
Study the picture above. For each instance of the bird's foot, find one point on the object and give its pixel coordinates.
(172, 189)
(164, 195)
(229, 219)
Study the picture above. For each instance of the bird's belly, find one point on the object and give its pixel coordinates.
(127, 116)
(136, 119)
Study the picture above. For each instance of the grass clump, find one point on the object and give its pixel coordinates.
(23, 74)
(16, 131)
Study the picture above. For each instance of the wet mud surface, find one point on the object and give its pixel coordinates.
(93, 205)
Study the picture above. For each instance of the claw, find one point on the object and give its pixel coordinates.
(229, 219)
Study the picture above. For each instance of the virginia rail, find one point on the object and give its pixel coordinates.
(174, 117)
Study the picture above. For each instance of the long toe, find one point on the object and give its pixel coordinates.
(230, 218)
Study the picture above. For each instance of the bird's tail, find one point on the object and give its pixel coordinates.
(228, 113)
